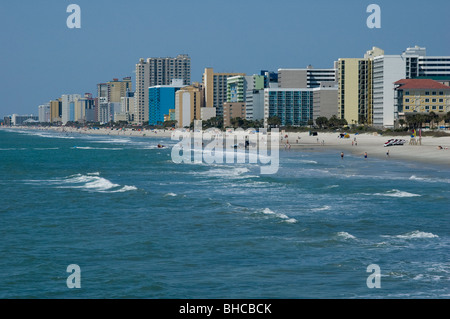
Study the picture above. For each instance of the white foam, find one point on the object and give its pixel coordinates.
(170, 194)
(428, 180)
(321, 208)
(114, 141)
(416, 235)
(97, 148)
(285, 218)
(47, 135)
(308, 162)
(345, 235)
(230, 173)
(396, 193)
(91, 182)
(126, 188)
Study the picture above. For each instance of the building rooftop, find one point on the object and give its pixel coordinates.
(408, 84)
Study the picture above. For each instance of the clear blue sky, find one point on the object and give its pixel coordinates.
(41, 59)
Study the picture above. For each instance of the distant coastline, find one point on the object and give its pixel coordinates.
(433, 150)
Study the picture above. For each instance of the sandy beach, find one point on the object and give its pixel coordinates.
(433, 150)
(428, 152)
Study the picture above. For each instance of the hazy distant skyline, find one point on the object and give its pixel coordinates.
(41, 59)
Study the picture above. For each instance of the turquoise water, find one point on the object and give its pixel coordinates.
(140, 226)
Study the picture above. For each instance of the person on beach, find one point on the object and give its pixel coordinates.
(387, 153)
(365, 155)
(342, 155)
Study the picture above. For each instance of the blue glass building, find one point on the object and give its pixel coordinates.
(161, 99)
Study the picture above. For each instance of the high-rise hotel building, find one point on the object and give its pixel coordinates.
(157, 71)
(366, 86)
(305, 78)
(355, 90)
(216, 88)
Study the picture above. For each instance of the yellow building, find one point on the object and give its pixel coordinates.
(118, 89)
(216, 88)
(422, 96)
(188, 103)
(56, 110)
(355, 102)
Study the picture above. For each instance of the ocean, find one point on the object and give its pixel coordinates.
(140, 226)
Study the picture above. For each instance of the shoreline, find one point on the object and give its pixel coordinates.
(356, 144)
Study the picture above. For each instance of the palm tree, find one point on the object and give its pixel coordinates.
(274, 121)
(322, 121)
(433, 117)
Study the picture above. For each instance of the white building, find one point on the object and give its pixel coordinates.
(44, 113)
(254, 105)
(68, 107)
(387, 69)
(17, 119)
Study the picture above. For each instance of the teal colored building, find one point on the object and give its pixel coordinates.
(292, 106)
(161, 99)
(237, 86)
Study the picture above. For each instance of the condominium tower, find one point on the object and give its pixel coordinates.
(216, 88)
(157, 71)
(355, 90)
(305, 78)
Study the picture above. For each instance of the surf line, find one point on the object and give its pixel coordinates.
(232, 147)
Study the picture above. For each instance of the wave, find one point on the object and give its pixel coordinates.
(47, 135)
(416, 234)
(319, 209)
(233, 173)
(428, 179)
(91, 182)
(96, 148)
(114, 141)
(308, 162)
(396, 193)
(170, 194)
(345, 235)
(281, 216)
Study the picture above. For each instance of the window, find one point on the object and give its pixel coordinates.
(434, 107)
(441, 93)
(441, 100)
(406, 100)
(406, 92)
(407, 107)
(434, 93)
(433, 100)
(441, 107)
(427, 108)
(427, 100)
(427, 93)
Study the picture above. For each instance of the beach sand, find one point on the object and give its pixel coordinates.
(357, 145)
(373, 145)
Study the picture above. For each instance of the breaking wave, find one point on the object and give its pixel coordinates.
(283, 217)
(91, 182)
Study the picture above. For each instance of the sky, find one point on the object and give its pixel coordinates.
(41, 58)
